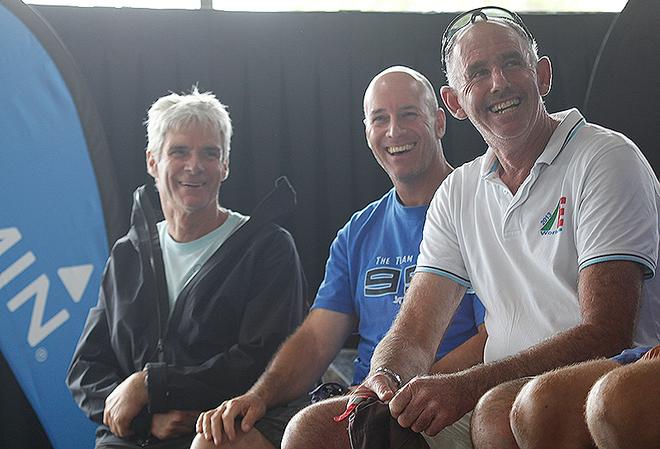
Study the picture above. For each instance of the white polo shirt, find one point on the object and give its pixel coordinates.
(590, 197)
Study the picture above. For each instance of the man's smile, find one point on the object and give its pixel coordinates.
(504, 106)
(191, 184)
(398, 149)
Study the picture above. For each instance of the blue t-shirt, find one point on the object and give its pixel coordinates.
(371, 263)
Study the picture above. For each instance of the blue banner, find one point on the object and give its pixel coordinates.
(53, 241)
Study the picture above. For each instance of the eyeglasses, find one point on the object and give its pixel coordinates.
(484, 13)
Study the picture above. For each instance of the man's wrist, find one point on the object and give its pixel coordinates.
(395, 377)
(142, 389)
(261, 391)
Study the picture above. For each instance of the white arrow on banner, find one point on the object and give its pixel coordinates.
(75, 279)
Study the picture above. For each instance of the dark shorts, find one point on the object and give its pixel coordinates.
(274, 422)
(271, 426)
(112, 442)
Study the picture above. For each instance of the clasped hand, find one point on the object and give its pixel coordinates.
(426, 403)
(124, 404)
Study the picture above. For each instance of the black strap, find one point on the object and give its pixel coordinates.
(144, 219)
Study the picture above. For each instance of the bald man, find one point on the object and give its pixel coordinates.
(370, 266)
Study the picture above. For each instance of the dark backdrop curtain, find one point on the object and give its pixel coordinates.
(625, 86)
(294, 84)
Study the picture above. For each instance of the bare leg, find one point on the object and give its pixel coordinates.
(490, 428)
(623, 408)
(250, 440)
(549, 411)
(313, 427)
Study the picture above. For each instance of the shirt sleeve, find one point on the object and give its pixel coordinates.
(440, 251)
(335, 290)
(617, 212)
(95, 371)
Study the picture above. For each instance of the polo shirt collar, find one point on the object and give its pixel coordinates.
(571, 121)
(489, 164)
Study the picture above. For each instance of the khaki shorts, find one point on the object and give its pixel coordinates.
(456, 436)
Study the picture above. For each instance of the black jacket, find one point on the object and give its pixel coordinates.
(226, 324)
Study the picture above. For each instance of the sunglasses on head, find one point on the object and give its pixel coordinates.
(484, 13)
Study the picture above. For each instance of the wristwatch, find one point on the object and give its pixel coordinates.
(391, 374)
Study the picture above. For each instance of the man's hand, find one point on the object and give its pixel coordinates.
(381, 384)
(378, 384)
(431, 403)
(124, 403)
(222, 420)
(173, 423)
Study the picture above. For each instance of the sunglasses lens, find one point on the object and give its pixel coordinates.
(474, 15)
(460, 23)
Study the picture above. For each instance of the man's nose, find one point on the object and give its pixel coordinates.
(394, 128)
(194, 162)
(499, 79)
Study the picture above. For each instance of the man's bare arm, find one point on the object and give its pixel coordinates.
(609, 295)
(409, 347)
(464, 356)
(305, 356)
(300, 361)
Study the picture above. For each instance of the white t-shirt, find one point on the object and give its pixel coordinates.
(590, 197)
(183, 260)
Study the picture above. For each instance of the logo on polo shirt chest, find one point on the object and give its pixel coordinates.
(553, 221)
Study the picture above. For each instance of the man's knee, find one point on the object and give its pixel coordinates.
(535, 403)
(490, 421)
(314, 426)
(622, 408)
(250, 440)
(201, 443)
(551, 406)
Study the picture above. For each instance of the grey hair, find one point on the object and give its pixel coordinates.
(431, 99)
(531, 47)
(175, 112)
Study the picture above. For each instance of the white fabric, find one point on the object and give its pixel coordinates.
(522, 258)
(456, 436)
(183, 260)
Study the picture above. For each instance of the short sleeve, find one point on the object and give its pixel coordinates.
(335, 290)
(440, 250)
(617, 213)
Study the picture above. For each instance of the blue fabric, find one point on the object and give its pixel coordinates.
(631, 355)
(371, 263)
(53, 243)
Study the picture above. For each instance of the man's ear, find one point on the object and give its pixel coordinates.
(152, 164)
(440, 123)
(366, 132)
(225, 167)
(450, 99)
(544, 75)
